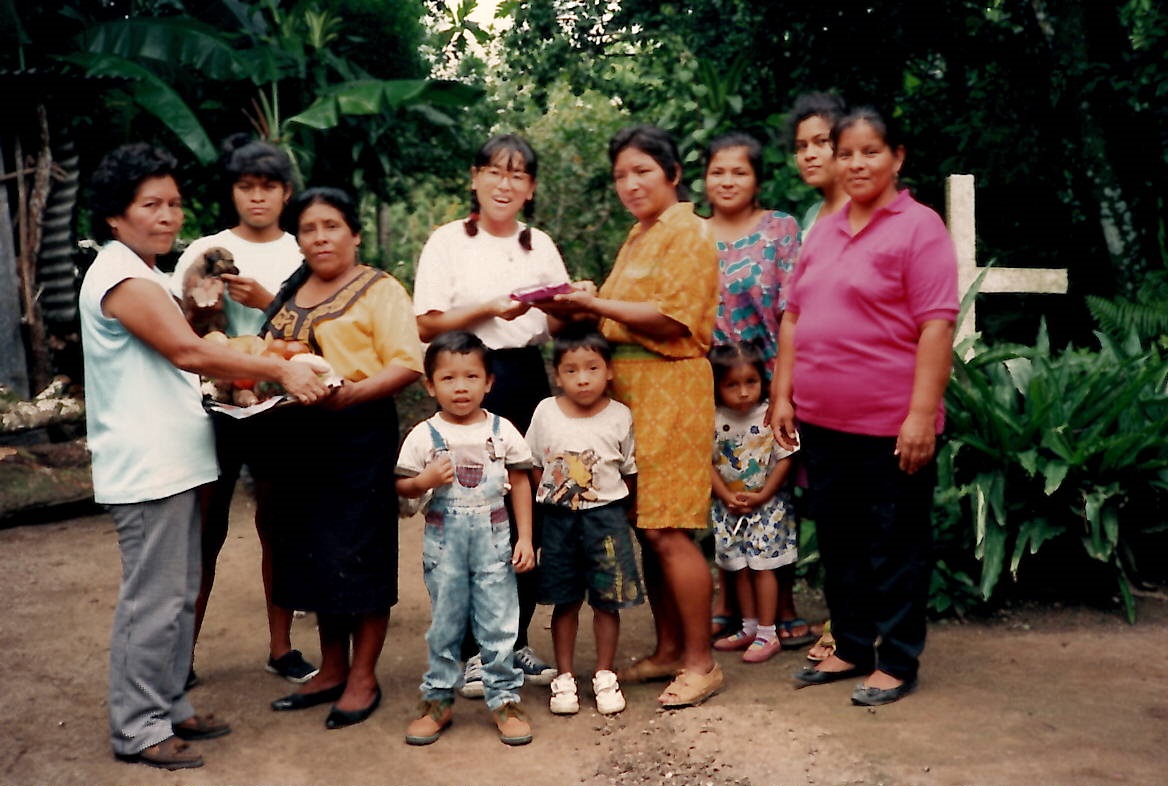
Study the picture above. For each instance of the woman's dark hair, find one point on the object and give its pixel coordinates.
(887, 131)
(579, 335)
(325, 195)
(738, 139)
(828, 106)
(115, 183)
(726, 357)
(456, 342)
(655, 143)
(502, 149)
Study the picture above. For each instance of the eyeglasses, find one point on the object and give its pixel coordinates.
(493, 175)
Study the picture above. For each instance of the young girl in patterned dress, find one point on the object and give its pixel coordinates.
(757, 249)
(754, 528)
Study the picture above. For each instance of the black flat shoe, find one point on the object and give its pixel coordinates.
(302, 701)
(874, 697)
(339, 719)
(808, 676)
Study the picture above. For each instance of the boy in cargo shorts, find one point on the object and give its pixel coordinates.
(582, 455)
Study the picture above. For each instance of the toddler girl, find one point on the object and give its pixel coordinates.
(754, 527)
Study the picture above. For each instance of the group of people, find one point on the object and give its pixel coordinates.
(722, 361)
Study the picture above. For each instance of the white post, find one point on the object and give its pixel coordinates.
(959, 205)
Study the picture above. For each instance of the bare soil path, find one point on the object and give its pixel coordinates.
(1038, 696)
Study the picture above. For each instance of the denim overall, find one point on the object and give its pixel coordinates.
(466, 564)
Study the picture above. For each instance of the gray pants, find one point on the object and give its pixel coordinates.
(153, 633)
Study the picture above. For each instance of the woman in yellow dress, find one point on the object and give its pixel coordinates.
(657, 307)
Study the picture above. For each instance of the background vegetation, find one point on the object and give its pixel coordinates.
(1058, 107)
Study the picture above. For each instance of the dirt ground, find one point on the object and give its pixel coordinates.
(1038, 696)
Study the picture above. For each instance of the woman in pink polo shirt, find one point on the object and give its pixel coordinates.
(865, 348)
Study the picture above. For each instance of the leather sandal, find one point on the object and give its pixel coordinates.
(170, 754)
(645, 670)
(201, 727)
(690, 688)
(826, 644)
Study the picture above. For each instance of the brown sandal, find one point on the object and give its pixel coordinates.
(691, 688)
(824, 648)
(170, 754)
(645, 670)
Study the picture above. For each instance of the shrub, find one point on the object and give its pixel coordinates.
(1044, 447)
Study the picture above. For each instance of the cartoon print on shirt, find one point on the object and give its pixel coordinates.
(571, 477)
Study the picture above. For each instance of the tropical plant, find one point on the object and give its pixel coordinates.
(1068, 446)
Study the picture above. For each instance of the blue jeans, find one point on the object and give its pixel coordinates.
(466, 564)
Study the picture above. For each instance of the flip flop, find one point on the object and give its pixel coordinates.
(690, 688)
(826, 642)
(723, 625)
(790, 640)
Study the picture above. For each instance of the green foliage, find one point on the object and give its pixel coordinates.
(1147, 316)
(1044, 447)
(575, 202)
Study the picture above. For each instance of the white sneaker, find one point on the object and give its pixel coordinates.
(472, 678)
(565, 700)
(609, 699)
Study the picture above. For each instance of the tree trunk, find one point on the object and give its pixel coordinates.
(13, 364)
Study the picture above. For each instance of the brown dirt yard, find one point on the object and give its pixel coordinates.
(1039, 695)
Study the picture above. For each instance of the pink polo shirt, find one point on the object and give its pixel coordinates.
(861, 301)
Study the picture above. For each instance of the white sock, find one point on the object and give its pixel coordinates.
(766, 633)
(750, 626)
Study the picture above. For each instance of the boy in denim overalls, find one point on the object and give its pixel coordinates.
(470, 459)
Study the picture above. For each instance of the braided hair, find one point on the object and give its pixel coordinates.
(502, 149)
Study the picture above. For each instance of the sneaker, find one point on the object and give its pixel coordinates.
(472, 678)
(739, 641)
(565, 700)
(761, 650)
(293, 667)
(512, 724)
(535, 671)
(609, 699)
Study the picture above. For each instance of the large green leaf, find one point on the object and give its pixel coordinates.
(156, 97)
(178, 41)
(375, 96)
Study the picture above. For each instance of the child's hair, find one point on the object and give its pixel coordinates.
(580, 335)
(456, 342)
(506, 147)
(726, 357)
(117, 178)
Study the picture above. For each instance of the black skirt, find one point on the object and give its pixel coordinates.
(327, 499)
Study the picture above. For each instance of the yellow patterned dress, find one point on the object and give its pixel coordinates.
(668, 384)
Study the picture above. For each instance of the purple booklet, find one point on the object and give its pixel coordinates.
(540, 292)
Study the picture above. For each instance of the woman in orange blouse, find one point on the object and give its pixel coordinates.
(657, 307)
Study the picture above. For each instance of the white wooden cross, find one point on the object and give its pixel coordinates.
(960, 208)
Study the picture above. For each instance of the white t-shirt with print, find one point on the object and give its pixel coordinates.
(584, 460)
